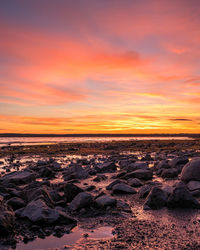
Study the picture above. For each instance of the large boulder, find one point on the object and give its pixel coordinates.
(38, 212)
(70, 191)
(135, 182)
(143, 174)
(136, 166)
(18, 177)
(123, 188)
(191, 171)
(156, 199)
(105, 200)
(193, 185)
(82, 200)
(182, 198)
(7, 218)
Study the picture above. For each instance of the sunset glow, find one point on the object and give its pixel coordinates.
(118, 66)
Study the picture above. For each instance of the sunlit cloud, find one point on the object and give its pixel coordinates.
(134, 63)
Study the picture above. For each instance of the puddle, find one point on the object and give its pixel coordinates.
(52, 242)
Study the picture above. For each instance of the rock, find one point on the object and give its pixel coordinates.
(191, 171)
(124, 206)
(182, 198)
(123, 188)
(136, 166)
(75, 172)
(45, 172)
(178, 160)
(105, 200)
(193, 185)
(112, 184)
(70, 191)
(106, 167)
(100, 177)
(140, 174)
(38, 212)
(135, 182)
(156, 199)
(145, 190)
(40, 193)
(163, 164)
(19, 177)
(82, 200)
(169, 173)
(16, 203)
(7, 219)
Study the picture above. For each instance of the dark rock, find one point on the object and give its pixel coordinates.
(156, 199)
(193, 185)
(145, 190)
(70, 191)
(106, 167)
(7, 219)
(169, 173)
(82, 200)
(105, 200)
(100, 177)
(19, 177)
(182, 198)
(135, 182)
(16, 203)
(140, 174)
(178, 160)
(112, 184)
(38, 212)
(123, 188)
(191, 171)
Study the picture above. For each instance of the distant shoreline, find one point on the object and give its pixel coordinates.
(98, 135)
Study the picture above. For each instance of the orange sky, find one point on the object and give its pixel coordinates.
(84, 66)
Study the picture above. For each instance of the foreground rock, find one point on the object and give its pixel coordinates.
(82, 200)
(7, 219)
(123, 188)
(38, 212)
(70, 191)
(182, 198)
(18, 177)
(191, 171)
(105, 200)
(142, 174)
(156, 199)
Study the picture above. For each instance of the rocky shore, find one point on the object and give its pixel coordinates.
(147, 191)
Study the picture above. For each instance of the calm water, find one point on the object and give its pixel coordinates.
(15, 141)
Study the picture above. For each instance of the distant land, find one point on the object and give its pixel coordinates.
(98, 135)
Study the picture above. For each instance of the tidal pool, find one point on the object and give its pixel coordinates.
(68, 240)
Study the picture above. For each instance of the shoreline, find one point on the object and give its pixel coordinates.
(53, 171)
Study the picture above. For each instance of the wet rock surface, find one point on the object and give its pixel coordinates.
(129, 191)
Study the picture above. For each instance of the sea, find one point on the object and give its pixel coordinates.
(23, 141)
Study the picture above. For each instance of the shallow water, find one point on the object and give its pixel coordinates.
(69, 240)
(16, 141)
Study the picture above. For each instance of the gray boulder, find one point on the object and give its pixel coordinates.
(123, 188)
(82, 200)
(191, 171)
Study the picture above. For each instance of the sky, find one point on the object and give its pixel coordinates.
(99, 66)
